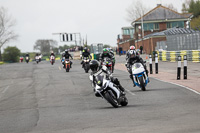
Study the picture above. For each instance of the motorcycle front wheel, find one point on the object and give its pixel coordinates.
(111, 100)
(142, 85)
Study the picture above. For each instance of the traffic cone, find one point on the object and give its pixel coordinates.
(146, 57)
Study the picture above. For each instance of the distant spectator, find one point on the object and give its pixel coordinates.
(141, 48)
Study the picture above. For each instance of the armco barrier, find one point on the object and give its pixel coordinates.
(172, 56)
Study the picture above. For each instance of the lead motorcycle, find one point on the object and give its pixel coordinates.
(86, 65)
(140, 77)
(109, 91)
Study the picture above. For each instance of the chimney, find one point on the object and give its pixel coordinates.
(159, 4)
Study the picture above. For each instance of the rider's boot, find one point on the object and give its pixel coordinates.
(122, 89)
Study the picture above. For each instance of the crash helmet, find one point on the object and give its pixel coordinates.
(132, 47)
(132, 53)
(66, 51)
(105, 51)
(85, 49)
(94, 65)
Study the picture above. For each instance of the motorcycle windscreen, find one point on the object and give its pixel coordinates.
(99, 79)
(137, 68)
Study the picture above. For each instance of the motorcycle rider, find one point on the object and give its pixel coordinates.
(98, 69)
(52, 54)
(107, 54)
(85, 53)
(133, 57)
(27, 55)
(67, 55)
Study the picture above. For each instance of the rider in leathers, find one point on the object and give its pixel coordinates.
(107, 54)
(134, 57)
(97, 69)
(67, 55)
(85, 53)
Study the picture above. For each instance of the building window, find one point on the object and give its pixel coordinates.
(169, 25)
(126, 32)
(156, 26)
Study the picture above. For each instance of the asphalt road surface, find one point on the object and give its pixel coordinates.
(41, 98)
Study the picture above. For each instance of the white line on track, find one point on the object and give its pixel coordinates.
(59, 68)
(130, 92)
(5, 89)
(180, 86)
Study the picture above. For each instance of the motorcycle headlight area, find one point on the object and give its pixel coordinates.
(99, 83)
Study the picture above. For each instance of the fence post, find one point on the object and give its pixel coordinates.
(156, 63)
(150, 64)
(185, 67)
(179, 68)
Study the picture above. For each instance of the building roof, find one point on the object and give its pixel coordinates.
(172, 31)
(162, 13)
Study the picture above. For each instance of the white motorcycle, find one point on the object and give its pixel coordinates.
(37, 59)
(140, 77)
(109, 91)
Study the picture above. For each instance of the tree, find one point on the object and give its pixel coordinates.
(135, 11)
(11, 54)
(6, 28)
(195, 23)
(170, 6)
(106, 46)
(45, 46)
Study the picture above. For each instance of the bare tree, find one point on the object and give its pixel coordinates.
(135, 10)
(6, 28)
(185, 6)
(171, 6)
(44, 46)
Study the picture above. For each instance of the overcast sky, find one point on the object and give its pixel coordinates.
(100, 20)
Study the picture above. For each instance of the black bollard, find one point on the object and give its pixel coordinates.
(179, 68)
(156, 63)
(185, 67)
(150, 64)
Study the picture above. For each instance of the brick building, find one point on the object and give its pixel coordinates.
(148, 29)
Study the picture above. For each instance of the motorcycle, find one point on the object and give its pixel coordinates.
(140, 77)
(109, 91)
(37, 59)
(108, 63)
(27, 59)
(86, 65)
(52, 59)
(67, 65)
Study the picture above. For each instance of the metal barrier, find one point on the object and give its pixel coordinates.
(172, 56)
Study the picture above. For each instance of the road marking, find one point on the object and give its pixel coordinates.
(5, 89)
(59, 68)
(130, 92)
(180, 86)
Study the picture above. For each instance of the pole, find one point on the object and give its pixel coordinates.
(156, 63)
(179, 68)
(185, 67)
(150, 64)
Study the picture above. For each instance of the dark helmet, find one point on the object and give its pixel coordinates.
(85, 49)
(94, 65)
(66, 51)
